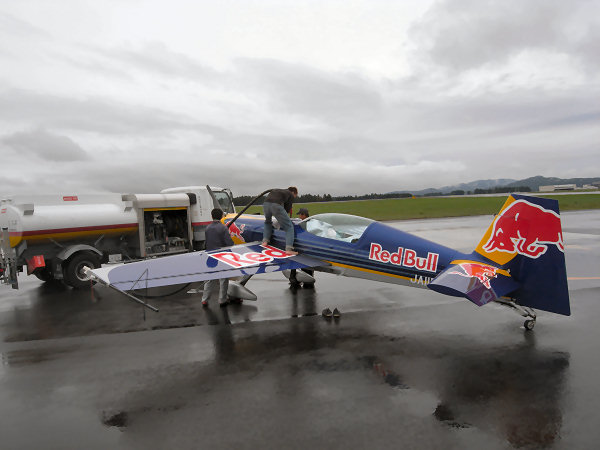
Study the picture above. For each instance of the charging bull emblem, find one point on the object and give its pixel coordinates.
(236, 232)
(482, 272)
(525, 228)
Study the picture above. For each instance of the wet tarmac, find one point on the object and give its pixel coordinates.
(402, 367)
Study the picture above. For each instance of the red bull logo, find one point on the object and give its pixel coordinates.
(236, 232)
(525, 228)
(482, 272)
(405, 257)
(240, 260)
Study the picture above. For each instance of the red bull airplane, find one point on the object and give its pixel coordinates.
(519, 262)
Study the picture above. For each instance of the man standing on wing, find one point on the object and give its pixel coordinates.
(217, 236)
(279, 204)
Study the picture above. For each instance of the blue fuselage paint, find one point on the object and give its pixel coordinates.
(382, 253)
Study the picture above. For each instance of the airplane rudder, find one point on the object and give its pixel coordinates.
(543, 282)
(526, 239)
(525, 225)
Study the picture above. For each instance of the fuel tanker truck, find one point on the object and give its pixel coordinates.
(55, 236)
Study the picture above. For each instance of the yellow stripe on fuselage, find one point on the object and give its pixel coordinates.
(245, 216)
(375, 272)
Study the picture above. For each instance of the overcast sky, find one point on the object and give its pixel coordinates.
(339, 97)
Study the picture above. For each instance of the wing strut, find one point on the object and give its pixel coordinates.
(134, 298)
(91, 276)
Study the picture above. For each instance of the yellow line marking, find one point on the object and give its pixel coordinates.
(583, 278)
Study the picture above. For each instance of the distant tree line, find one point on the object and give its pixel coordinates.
(341, 198)
(243, 200)
(494, 190)
(441, 194)
(502, 190)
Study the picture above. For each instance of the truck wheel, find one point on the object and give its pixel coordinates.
(73, 270)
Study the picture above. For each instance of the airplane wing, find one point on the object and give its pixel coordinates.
(238, 260)
(479, 282)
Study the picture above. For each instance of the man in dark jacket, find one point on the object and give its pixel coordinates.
(217, 236)
(302, 214)
(279, 204)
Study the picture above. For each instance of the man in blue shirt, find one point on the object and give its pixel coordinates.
(217, 236)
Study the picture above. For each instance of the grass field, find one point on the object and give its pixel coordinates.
(430, 207)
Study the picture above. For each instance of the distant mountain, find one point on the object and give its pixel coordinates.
(533, 183)
(479, 184)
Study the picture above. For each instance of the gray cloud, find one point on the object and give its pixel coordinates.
(45, 145)
(156, 57)
(340, 99)
(587, 48)
(91, 114)
(476, 104)
(466, 34)
(518, 110)
(13, 26)
(246, 176)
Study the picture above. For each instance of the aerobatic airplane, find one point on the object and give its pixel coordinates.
(519, 262)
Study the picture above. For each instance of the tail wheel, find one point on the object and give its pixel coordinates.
(529, 324)
(73, 270)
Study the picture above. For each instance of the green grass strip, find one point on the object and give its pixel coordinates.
(430, 207)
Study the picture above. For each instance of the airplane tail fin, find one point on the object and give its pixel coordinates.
(525, 239)
(520, 256)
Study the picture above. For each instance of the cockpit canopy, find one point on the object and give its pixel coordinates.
(342, 227)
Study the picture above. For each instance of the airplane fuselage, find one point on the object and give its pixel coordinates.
(381, 253)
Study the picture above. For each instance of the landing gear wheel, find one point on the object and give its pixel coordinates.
(73, 270)
(529, 324)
